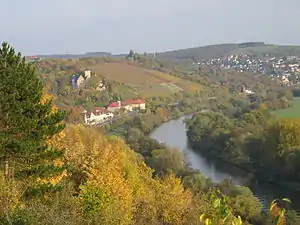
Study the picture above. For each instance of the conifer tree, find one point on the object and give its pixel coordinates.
(25, 121)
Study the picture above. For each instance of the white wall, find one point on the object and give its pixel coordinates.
(95, 119)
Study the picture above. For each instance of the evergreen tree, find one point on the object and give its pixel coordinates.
(25, 122)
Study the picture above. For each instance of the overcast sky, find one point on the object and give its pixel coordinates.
(78, 26)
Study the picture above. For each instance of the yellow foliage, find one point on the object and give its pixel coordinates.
(262, 106)
(46, 97)
(54, 179)
(9, 195)
(119, 185)
(286, 134)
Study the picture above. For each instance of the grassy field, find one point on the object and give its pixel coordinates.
(145, 81)
(291, 112)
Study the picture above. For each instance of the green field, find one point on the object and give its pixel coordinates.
(291, 112)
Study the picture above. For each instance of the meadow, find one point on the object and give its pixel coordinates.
(291, 112)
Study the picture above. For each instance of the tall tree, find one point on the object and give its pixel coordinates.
(26, 121)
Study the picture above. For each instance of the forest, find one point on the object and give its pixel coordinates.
(54, 172)
(255, 140)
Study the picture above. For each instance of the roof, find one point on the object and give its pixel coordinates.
(134, 102)
(114, 104)
(99, 110)
(75, 77)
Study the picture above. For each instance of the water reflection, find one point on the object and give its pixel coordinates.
(173, 134)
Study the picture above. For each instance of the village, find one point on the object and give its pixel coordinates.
(101, 115)
(286, 70)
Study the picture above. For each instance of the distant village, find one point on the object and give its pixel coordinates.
(101, 115)
(286, 70)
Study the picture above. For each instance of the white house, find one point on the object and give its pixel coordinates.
(98, 115)
(249, 92)
(114, 106)
(87, 74)
(135, 104)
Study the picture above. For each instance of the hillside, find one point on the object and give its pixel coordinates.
(133, 78)
(146, 82)
(200, 53)
(212, 51)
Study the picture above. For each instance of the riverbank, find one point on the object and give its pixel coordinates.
(173, 134)
(260, 175)
(253, 141)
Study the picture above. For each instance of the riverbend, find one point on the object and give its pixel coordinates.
(173, 134)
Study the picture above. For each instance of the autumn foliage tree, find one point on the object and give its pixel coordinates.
(115, 185)
(26, 121)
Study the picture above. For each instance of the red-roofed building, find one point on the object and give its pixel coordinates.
(134, 104)
(114, 106)
(97, 115)
(128, 105)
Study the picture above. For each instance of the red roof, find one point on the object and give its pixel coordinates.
(114, 105)
(134, 102)
(99, 109)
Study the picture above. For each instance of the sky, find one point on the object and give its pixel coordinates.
(116, 26)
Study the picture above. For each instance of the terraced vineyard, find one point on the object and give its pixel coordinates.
(148, 82)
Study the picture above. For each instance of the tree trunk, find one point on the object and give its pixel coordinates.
(6, 169)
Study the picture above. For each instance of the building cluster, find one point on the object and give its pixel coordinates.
(33, 59)
(78, 81)
(100, 115)
(279, 68)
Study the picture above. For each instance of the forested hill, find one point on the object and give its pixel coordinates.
(213, 51)
(201, 53)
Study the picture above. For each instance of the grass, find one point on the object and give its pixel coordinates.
(148, 82)
(291, 112)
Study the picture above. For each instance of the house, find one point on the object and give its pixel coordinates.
(97, 115)
(128, 105)
(78, 81)
(135, 104)
(114, 106)
(101, 86)
(87, 74)
(249, 92)
(74, 79)
(285, 80)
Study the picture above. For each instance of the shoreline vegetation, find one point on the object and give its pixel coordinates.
(54, 172)
(245, 142)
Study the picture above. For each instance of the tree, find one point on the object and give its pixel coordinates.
(166, 160)
(25, 121)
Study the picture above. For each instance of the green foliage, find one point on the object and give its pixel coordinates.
(166, 160)
(289, 112)
(25, 120)
(222, 212)
(102, 181)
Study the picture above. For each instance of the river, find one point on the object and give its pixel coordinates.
(173, 134)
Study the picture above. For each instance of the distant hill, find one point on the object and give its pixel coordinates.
(85, 55)
(213, 51)
(201, 53)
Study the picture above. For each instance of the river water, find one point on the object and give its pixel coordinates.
(173, 134)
